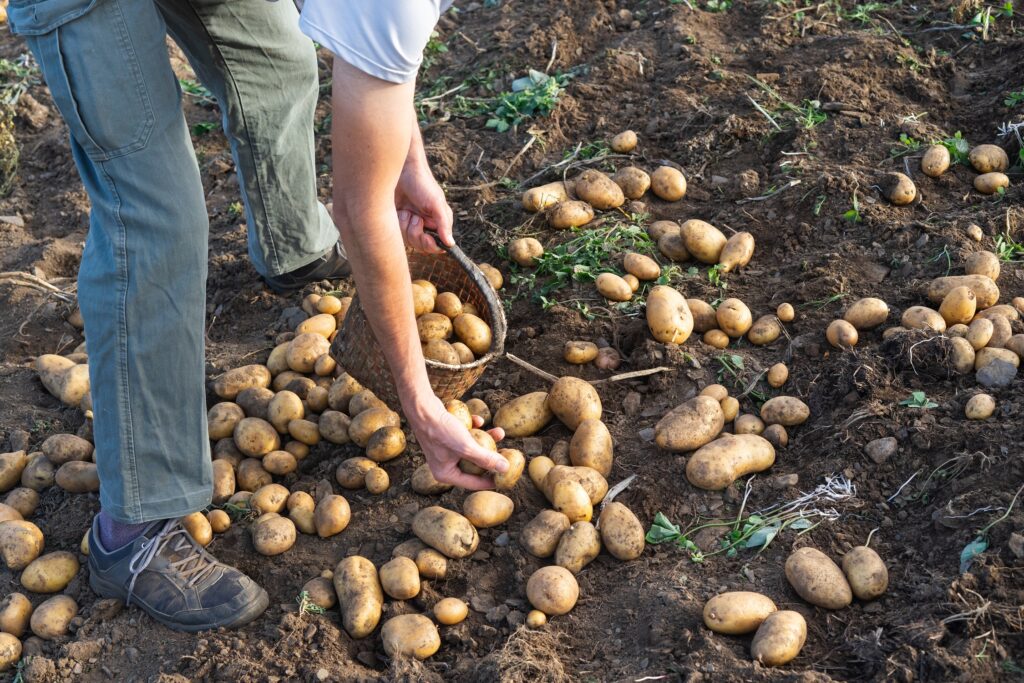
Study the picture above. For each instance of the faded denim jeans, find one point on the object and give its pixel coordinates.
(142, 282)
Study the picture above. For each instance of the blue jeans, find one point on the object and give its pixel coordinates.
(142, 282)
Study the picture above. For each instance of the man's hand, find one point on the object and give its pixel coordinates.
(420, 201)
(445, 441)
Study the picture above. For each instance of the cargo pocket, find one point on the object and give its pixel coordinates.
(86, 53)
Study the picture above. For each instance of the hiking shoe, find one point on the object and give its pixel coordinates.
(331, 265)
(174, 580)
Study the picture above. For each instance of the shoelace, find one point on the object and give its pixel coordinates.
(196, 563)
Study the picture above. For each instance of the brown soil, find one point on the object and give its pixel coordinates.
(680, 78)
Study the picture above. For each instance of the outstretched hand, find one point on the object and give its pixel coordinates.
(445, 441)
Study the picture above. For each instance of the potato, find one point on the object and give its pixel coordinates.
(1000, 311)
(734, 317)
(817, 579)
(578, 353)
(462, 351)
(672, 247)
(269, 498)
(634, 182)
(657, 229)
(704, 318)
(334, 426)
(737, 612)
(571, 499)
(983, 263)
(304, 431)
(865, 572)
(668, 183)
(273, 536)
(1001, 333)
(570, 214)
(8, 513)
(223, 481)
(718, 464)
(621, 532)
(250, 475)
(536, 619)
(78, 477)
(304, 350)
(233, 381)
(222, 418)
(74, 388)
(989, 158)
(198, 527)
(748, 424)
(716, 338)
(737, 252)
(539, 198)
(1014, 344)
(12, 465)
(578, 547)
(277, 362)
(300, 386)
(219, 521)
(704, 241)
(642, 267)
(541, 534)
(285, 379)
(552, 590)
(283, 408)
(785, 313)
(351, 473)
(433, 326)
(49, 573)
(764, 331)
(591, 446)
(21, 543)
(450, 611)
(10, 651)
(369, 421)
(958, 306)
(598, 190)
(572, 401)
(980, 407)
(984, 288)
(485, 509)
(332, 515)
(460, 411)
(400, 578)
(387, 443)
(51, 369)
(668, 315)
(841, 334)
(15, 611)
(525, 251)
(255, 437)
(787, 411)
(474, 333)
(38, 473)
(690, 425)
(777, 375)
(867, 313)
(730, 408)
(410, 635)
(322, 323)
(51, 619)
(431, 564)
(446, 531)
(360, 596)
(624, 142)
(22, 499)
(321, 592)
(538, 469)
(935, 161)
(423, 298)
(779, 638)
(962, 355)
(309, 303)
(613, 287)
(923, 318)
(777, 436)
(62, 448)
(898, 188)
(424, 483)
(280, 463)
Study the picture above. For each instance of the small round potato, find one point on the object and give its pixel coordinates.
(704, 241)
(748, 424)
(51, 619)
(734, 317)
(541, 534)
(841, 334)
(935, 161)
(898, 188)
(817, 579)
(777, 375)
(668, 315)
(779, 638)
(633, 181)
(668, 183)
(15, 612)
(737, 612)
(980, 407)
(219, 520)
(410, 635)
(525, 251)
(485, 509)
(331, 516)
(715, 391)
(273, 536)
(400, 578)
(450, 611)
(579, 352)
(50, 573)
(865, 572)
(983, 263)
(776, 435)
(536, 619)
(578, 547)
(552, 590)
(785, 312)
(621, 532)
(570, 213)
(446, 531)
(424, 483)
(716, 338)
(867, 313)
(990, 183)
(613, 287)
(989, 158)
(624, 142)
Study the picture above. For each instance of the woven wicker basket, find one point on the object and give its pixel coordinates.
(356, 349)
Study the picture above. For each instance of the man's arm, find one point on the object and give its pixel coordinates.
(373, 133)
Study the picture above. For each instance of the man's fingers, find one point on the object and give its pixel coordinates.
(488, 460)
(478, 422)
(471, 482)
(497, 433)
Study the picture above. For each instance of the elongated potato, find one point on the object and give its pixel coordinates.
(668, 315)
(865, 572)
(541, 534)
(578, 547)
(962, 355)
(737, 252)
(984, 288)
(474, 333)
(570, 214)
(704, 241)
(668, 183)
(734, 318)
(543, 196)
(573, 400)
(553, 590)
(958, 306)
(524, 416)
(360, 596)
(516, 463)
(485, 509)
(446, 531)
(51, 619)
(935, 161)
(718, 464)
(598, 190)
(62, 448)
(592, 447)
(779, 638)
(923, 318)
(867, 313)
(621, 532)
(777, 375)
(323, 324)
(787, 411)
(613, 287)
(737, 612)
(690, 425)
(988, 183)
(817, 579)
(410, 635)
(49, 573)
(78, 477)
(51, 369)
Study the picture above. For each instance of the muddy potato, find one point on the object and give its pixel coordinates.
(779, 638)
(516, 462)
(865, 572)
(51, 619)
(331, 516)
(351, 473)
(570, 214)
(785, 312)
(607, 359)
(250, 475)
(304, 350)
(621, 532)
(613, 287)
(321, 592)
(486, 509)
(431, 564)
(446, 531)
(668, 183)
(525, 251)
(369, 421)
(984, 288)
(841, 334)
(233, 381)
(360, 596)
(223, 481)
(737, 252)
(668, 315)
(280, 463)
(479, 409)
(817, 579)
(474, 333)
(980, 407)
(787, 411)
(219, 521)
(690, 425)
(541, 534)
(273, 536)
(704, 317)
(8, 513)
(777, 375)
(730, 408)
(958, 330)
(624, 142)
(776, 435)
(578, 547)
(553, 590)
(21, 543)
(923, 318)
(1001, 332)
(62, 448)
(285, 379)
(598, 190)
(658, 229)
(51, 572)
(764, 331)
(39, 472)
(450, 611)
(51, 369)
(571, 499)
(78, 477)
(748, 424)
(737, 612)
(962, 355)
(254, 401)
(592, 447)
(718, 464)
(269, 498)
(983, 263)
(423, 298)
(433, 326)
(10, 648)
(15, 611)
(573, 400)
(867, 313)
(323, 324)
(1014, 343)
(283, 408)
(74, 390)
(734, 318)
(410, 635)
(424, 483)
(935, 161)
(989, 158)
(543, 196)
(334, 426)
(255, 437)
(703, 241)
(12, 465)
(634, 182)
(385, 444)
(198, 527)
(400, 578)
(958, 306)
(578, 353)
(715, 391)
(672, 247)
(23, 499)
(898, 188)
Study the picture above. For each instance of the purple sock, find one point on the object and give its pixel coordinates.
(114, 534)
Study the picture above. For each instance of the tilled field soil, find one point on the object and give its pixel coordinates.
(685, 80)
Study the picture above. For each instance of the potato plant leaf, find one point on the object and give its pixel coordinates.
(662, 530)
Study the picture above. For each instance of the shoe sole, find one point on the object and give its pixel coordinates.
(253, 608)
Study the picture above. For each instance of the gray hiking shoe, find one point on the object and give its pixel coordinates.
(331, 265)
(174, 580)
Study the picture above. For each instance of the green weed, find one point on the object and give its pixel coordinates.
(307, 606)
(1007, 248)
(201, 129)
(853, 214)
(918, 399)
(905, 145)
(533, 95)
(1014, 98)
(197, 91)
(958, 148)
(16, 76)
(718, 5)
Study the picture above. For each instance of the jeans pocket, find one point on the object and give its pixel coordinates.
(85, 51)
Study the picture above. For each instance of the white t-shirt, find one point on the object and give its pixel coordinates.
(384, 38)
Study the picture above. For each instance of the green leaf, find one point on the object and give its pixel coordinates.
(970, 551)
(761, 537)
(662, 530)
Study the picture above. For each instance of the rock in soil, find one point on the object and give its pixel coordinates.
(997, 374)
(882, 449)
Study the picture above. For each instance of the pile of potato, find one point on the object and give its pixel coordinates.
(441, 317)
(990, 161)
(779, 635)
